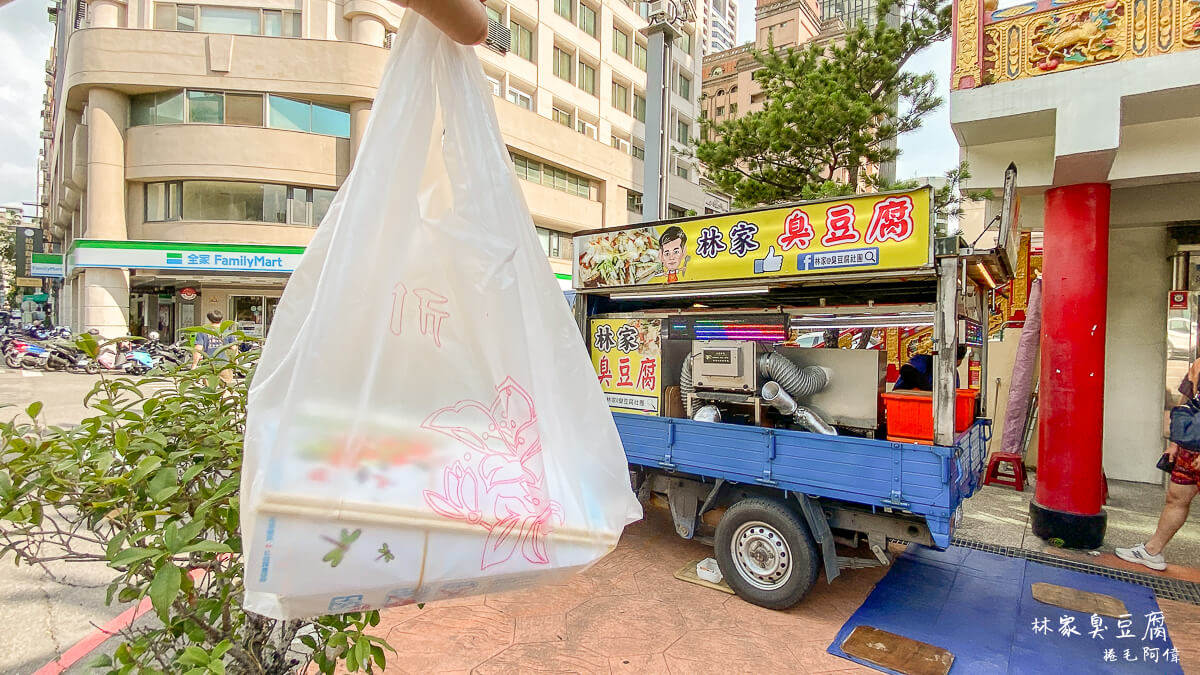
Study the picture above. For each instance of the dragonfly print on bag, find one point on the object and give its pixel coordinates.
(499, 483)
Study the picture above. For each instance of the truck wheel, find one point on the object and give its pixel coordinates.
(766, 553)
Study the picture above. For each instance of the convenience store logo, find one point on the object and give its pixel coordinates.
(174, 258)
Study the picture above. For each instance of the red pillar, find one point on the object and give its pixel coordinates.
(1068, 500)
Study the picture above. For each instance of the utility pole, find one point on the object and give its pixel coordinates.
(665, 17)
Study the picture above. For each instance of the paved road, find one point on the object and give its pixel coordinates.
(61, 393)
(41, 617)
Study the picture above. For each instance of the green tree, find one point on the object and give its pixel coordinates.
(149, 486)
(832, 111)
(8, 255)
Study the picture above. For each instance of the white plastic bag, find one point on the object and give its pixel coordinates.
(424, 422)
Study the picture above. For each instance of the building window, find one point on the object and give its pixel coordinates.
(162, 201)
(495, 85)
(522, 40)
(621, 43)
(681, 170)
(161, 108)
(638, 152)
(675, 212)
(620, 97)
(587, 19)
(732, 108)
(720, 110)
(495, 16)
(561, 116)
(586, 128)
(216, 107)
(684, 87)
(639, 108)
(555, 244)
(279, 23)
(232, 20)
(639, 55)
(552, 177)
(234, 201)
(685, 43)
(287, 113)
(633, 201)
(206, 107)
(563, 8)
(247, 110)
(681, 131)
(620, 144)
(562, 64)
(520, 98)
(587, 78)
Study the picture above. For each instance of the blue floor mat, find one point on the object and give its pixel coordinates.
(980, 607)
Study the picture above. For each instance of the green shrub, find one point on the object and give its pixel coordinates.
(149, 485)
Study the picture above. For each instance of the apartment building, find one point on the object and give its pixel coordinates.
(729, 86)
(718, 25)
(191, 149)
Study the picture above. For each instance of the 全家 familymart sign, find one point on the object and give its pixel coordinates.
(182, 256)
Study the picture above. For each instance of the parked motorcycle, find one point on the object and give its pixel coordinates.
(65, 355)
(26, 354)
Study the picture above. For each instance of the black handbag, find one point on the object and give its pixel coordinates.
(1165, 463)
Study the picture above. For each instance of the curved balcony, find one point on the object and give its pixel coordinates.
(235, 153)
(135, 59)
(223, 231)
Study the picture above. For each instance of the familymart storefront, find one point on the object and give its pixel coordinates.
(135, 287)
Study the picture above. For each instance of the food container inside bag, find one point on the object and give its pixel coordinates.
(424, 422)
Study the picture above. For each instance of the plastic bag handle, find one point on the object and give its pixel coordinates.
(469, 146)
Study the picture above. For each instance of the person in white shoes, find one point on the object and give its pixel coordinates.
(1181, 490)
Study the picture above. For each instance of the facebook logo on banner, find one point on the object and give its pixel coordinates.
(854, 257)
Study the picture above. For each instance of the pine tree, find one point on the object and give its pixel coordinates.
(831, 111)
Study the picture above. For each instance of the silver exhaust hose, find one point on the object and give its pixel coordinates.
(774, 393)
(809, 419)
(685, 384)
(797, 381)
(806, 418)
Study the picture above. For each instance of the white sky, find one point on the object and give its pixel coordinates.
(25, 37)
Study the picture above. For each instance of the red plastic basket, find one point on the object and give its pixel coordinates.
(910, 413)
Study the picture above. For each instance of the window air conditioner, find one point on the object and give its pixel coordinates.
(499, 38)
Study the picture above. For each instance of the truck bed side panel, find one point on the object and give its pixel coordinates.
(927, 480)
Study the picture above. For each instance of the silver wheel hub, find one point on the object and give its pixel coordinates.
(762, 556)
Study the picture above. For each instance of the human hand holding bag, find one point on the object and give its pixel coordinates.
(425, 422)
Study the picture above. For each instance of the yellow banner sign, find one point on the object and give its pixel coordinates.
(29, 282)
(626, 354)
(853, 234)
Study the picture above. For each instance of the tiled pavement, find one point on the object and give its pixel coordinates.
(628, 614)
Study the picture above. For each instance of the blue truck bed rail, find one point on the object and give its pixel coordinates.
(930, 481)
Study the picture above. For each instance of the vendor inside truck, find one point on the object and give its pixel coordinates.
(917, 374)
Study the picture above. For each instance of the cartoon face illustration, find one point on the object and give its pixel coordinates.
(670, 251)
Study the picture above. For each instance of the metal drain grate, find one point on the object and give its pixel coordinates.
(1170, 589)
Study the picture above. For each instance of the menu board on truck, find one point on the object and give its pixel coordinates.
(865, 233)
(626, 354)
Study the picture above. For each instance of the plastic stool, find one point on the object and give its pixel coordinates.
(1016, 479)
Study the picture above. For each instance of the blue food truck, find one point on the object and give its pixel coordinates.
(747, 358)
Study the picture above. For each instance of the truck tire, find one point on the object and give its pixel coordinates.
(766, 553)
